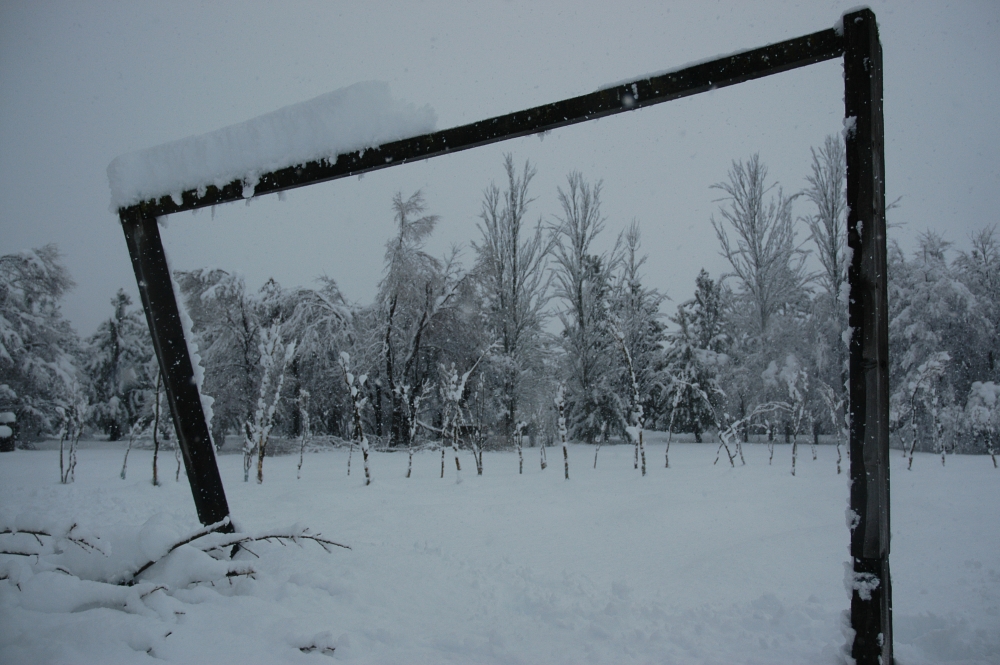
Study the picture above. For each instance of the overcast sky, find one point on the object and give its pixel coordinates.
(82, 82)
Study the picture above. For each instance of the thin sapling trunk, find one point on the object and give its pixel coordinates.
(156, 428)
(561, 405)
(602, 437)
(306, 432)
(357, 403)
(518, 441)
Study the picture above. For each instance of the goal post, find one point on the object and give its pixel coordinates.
(855, 39)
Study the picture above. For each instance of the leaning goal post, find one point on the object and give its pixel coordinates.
(855, 38)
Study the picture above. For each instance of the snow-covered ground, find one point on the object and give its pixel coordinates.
(692, 564)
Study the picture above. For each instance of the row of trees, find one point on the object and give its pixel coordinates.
(759, 352)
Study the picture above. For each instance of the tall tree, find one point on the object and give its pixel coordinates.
(415, 290)
(828, 231)
(828, 225)
(324, 324)
(757, 237)
(511, 272)
(765, 261)
(639, 333)
(584, 281)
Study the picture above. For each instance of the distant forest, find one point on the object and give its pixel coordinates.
(758, 353)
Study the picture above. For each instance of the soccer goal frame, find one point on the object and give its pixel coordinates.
(855, 38)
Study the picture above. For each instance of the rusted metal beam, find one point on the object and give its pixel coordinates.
(868, 315)
(636, 94)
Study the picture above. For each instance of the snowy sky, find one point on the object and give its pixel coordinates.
(81, 83)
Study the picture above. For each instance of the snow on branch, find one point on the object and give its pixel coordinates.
(46, 546)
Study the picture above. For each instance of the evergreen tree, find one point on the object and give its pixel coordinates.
(695, 357)
(635, 316)
(935, 323)
(37, 345)
(116, 361)
(979, 270)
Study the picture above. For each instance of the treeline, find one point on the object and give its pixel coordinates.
(447, 349)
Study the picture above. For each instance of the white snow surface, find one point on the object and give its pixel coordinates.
(692, 564)
(363, 115)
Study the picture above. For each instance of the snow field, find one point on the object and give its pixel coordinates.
(693, 564)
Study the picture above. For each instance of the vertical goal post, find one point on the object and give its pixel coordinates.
(855, 39)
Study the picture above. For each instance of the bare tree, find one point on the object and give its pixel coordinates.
(584, 281)
(828, 226)
(762, 252)
(828, 231)
(512, 276)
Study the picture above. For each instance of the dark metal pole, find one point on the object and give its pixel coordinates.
(158, 301)
(640, 93)
(868, 312)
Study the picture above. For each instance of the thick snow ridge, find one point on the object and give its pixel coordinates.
(363, 115)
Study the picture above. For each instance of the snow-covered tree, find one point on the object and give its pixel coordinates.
(935, 323)
(583, 281)
(354, 388)
(512, 275)
(37, 345)
(979, 270)
(982, 414)
(691, 392)
(792, 379)
(324, 324)
(116, 358)
(275, 356)
(412, 295)
(305, 432)
(828, 232)
(227, 324)
(757, 237)
(634, 323)
(560, 402)
(828, 224)
(73, 413)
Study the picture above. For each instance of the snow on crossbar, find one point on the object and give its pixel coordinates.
(359, 116)
(163, 191)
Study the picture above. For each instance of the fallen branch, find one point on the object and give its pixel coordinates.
(211, 528)
(240, 539)
(228, 541)
(80, 542)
